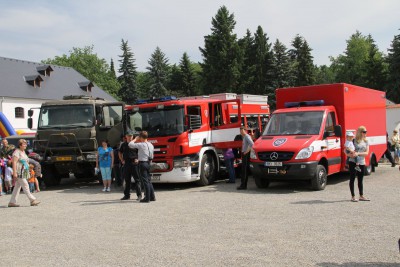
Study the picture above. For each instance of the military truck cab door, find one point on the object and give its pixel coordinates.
(109, 119)
(224, 127)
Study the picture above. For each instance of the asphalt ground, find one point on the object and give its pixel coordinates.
(286, 224)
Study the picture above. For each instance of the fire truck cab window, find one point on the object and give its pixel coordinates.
(218, 116)
(194, 117)
(330, 123)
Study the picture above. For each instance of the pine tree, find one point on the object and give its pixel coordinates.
(112, 70)
(376, 68)
(263, 64)
(302, 62)
(188, 76)
(158, 71)
(393, 59)
(127, 79)
(281, 65)
(221, 55)
(247, 69)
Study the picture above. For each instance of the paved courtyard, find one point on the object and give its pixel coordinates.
(284, 225)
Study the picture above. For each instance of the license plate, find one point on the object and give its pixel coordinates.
(272, 164)
(155, 177)
(63, 158)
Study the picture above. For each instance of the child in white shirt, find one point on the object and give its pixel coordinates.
(8, 177)
(349, 145)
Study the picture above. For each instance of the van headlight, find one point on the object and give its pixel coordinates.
(253, 154)
(305, 153)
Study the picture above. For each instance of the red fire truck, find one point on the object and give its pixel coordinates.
(190, 133)
(304, 138)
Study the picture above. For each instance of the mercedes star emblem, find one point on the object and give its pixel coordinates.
(274, 156)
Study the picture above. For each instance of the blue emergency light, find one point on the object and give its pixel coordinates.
(304, 103)
(153, 99)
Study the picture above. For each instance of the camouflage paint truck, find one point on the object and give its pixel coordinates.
(69, 132)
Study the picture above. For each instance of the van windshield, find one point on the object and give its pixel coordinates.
(65, 116)
(295, 123)
(165, 121)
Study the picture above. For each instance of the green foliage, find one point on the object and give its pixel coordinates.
(127, 79)
(158, 71)
(393, 59)
(87, 63)
(188, 76)
(302, 62)
(221, 55)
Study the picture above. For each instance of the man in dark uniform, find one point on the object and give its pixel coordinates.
(129, 160)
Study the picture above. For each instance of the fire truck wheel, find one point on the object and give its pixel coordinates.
(208, 170)
(50, 176)
(318, 182)
(261, 182)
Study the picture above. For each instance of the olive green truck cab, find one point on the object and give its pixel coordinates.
(69, 132)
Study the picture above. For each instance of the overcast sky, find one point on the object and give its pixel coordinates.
(41, 29)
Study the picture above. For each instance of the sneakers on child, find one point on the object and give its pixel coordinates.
(104, 189)
(108, 189)
(357, 168)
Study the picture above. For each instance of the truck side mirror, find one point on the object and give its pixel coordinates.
(30, 112)
(338, 130)
(30, 122)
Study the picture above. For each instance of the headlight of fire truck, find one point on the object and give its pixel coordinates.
(182, 163)
(253, 154)
(305, 153)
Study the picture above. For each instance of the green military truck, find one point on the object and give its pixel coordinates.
(69, 132)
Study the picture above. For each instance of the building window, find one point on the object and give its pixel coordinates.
(33, 80)
(19, 113)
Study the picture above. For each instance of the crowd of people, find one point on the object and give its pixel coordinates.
(132, 159)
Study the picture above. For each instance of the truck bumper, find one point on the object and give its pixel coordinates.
(176, 175)
(288, 171)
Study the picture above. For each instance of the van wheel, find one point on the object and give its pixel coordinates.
(318, 182)
(261, 182)
(208, 170)
(50, 176)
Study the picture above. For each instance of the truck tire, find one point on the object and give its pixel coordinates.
(318, 182)
(261, 182)
(208, 170)
(50, 176)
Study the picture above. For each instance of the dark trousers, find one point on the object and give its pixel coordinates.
(116, 172)
(144, 168)
(128, 171)
(389, 156)
(245, 172)
(360, 177)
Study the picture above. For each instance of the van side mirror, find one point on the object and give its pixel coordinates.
(338, 130)
(30, 123)
(30, 112)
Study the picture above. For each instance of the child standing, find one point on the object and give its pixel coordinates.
(8, 177)
(31, 180)
(349, 146)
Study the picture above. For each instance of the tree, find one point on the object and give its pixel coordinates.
(247, 69)
(87, 63)
(112, 70)
(262, 64)
(393, 59)
(158, 71)
(361, 64)
(302, 62)
(188, 76)
(127, 79)
(221, 55)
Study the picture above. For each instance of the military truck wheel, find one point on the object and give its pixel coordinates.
(50, 176)
(318, 182)
(261, 182)
(208, 170)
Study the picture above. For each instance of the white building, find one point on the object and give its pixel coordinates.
(25, 85)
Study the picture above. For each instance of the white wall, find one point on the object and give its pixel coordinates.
(392, 119)
(8, 105)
